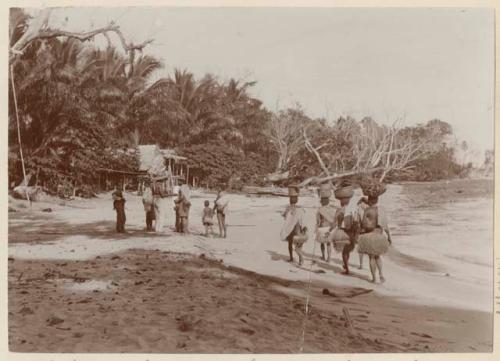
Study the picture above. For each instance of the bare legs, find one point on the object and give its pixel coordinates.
(360, 260)
(209, 230)
(221, 218)
(346, 252)
(298, 249)
(378, 260)
(376, 263)
(290, 247)
(328, 251)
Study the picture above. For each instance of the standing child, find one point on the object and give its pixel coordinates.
(119, 206)
(208, 218)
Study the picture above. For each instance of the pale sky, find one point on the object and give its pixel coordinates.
(418, 64)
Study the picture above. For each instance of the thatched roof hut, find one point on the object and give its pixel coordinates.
(147, 155)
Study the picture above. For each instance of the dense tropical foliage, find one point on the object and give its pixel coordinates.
(80, 107)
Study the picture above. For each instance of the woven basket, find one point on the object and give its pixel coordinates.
(374, 243)
(339, 246)
(322, 235)
(338, 235)
(300, 239)
(339, 238)
(372, 187)
(344, 192)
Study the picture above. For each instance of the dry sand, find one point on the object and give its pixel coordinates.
(153, 301)
(211, 308)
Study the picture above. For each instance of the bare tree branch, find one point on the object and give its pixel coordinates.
(38, 30)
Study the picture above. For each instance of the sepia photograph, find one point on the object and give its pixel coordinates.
(250, 180)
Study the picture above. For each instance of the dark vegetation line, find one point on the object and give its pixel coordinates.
(82, 108)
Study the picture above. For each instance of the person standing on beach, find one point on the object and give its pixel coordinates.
(119, 207)
(293, 226)
(325, 220)
(184, 205)
(220, 207)
(375, 235)
(208, 219)
(362, 203)
(177, 202)
(159, 195)
(149, 208)
(347, 222)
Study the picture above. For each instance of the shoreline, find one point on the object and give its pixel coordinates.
(81, 232)
(85, 229)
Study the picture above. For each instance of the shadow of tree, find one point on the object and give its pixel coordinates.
(37, 228)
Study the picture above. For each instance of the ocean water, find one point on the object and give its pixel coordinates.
(448, 224)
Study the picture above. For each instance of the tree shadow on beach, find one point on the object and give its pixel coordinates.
(35, 228)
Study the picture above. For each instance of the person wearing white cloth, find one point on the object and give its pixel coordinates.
(159, 195)
(325, 221)
(148, 202)
(292, 229)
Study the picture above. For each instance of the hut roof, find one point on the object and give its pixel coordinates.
(171, 154)
(147, 154)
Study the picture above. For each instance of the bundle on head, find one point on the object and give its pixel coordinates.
(372, 187)
(344, 190)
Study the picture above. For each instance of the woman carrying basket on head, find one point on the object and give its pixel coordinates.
(346, 229)
(375, 235)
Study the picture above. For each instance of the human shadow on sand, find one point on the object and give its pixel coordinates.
(275, 256)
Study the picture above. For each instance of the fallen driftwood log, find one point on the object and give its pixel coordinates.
(273, 191)
(278, 177)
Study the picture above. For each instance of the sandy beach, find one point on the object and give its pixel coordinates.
(239, 294)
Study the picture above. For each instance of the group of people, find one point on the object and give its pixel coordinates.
(154, 200)
(362, 223)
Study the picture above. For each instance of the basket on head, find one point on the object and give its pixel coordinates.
(344, 191)
(293, 191)
(372, 187)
